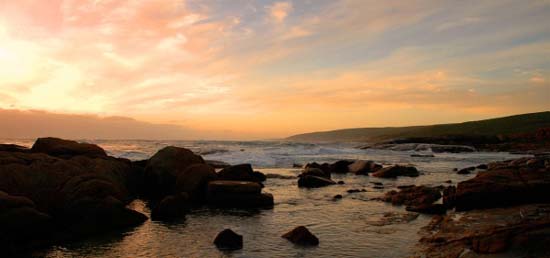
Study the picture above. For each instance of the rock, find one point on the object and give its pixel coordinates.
(465, 171)
(314, 181)
(325, 167)
(340, 167)
(301, 236)
(397, 170)
(390, 218)
(217, 164)
(240, 194)
(504, 185)
(228, 240)
(279, 176)
(364, 167)
(451, 148)
(415, 155)
(337, 197)
(341, 182)
(482, 166)
(13, 148)
(413, 196)
(297, 165)
(171, 207)
(356, 190)
(194, 181)
(164, 168)
(66, 148)
(448, 181)
(241, 172)
(519, 231)
(315, 172)
(428, 208)
(377, 183)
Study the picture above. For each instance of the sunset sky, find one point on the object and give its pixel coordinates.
(264, 69)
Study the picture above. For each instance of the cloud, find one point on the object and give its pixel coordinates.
(279, 11)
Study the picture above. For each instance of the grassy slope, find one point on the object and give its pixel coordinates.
(505, 125)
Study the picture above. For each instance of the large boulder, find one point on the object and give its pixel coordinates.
(239, 194)
(314, 181)
(315, 172)
(340, 167)
(194, 181)
(395, 171)
(66, 148)
(241, 172)
(171, 207)
(228, 240)
(510, 183)
(301, 236)
(364, 167)
(164, 167)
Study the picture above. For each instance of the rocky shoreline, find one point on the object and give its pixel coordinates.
(59, 191)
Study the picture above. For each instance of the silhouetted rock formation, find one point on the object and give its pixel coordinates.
(228, 240)
(395, 171)
(301, 236)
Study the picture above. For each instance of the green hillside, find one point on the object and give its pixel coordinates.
(524, 123)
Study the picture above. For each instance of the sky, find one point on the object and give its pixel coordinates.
(245, 69)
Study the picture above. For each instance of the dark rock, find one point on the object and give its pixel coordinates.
(356, 190)
(397, 170)
(217, 164)
(405, 186)
(241, 194)
(279, 176)
(297, 165)
(13, 148)
(164, 168)
(315, 172)
(517, 183)
(378, 187)
(340, 167)
(171, 207)
(364, 167)
(455, 169)
(337, 197)
(428, 208)
(228, 240)
(194, 181)
(314, 181)
(482, 166)
(259, 176)
(325, 167)
(413, 196)
(66, 148)
(422, 155)
(301, 236)
(448, 181)
(241, 172)
(377, 183)
(231, 186)
(341, 182)
(464, 171)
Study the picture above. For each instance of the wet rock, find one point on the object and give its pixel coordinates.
(390, 218)
(482, 166)
(217, 164)
(164, 168)
(228, 240)
(448, 181)
(505, 184)
(340, 167)
(377, 183)
(325, 167)
(428, 208)
(268, 175)
(301, 236)
(171, 207)
(341, 182)
(395, 171)
(413, 196)
(194, 181)
(66, 148)
(356, 190)
(315, 172)
(337, 197)
(520, 231)
(466, 171)
(241, 194)
(378, 187)
(241, 172)
(313, 181)
(364, 167)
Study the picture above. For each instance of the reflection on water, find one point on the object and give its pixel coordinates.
(355, 226)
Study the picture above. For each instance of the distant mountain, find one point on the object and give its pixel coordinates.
(511, 125)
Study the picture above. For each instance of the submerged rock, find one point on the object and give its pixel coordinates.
(228, 240)
(301, 236)
(314, 181)
(397, 170)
